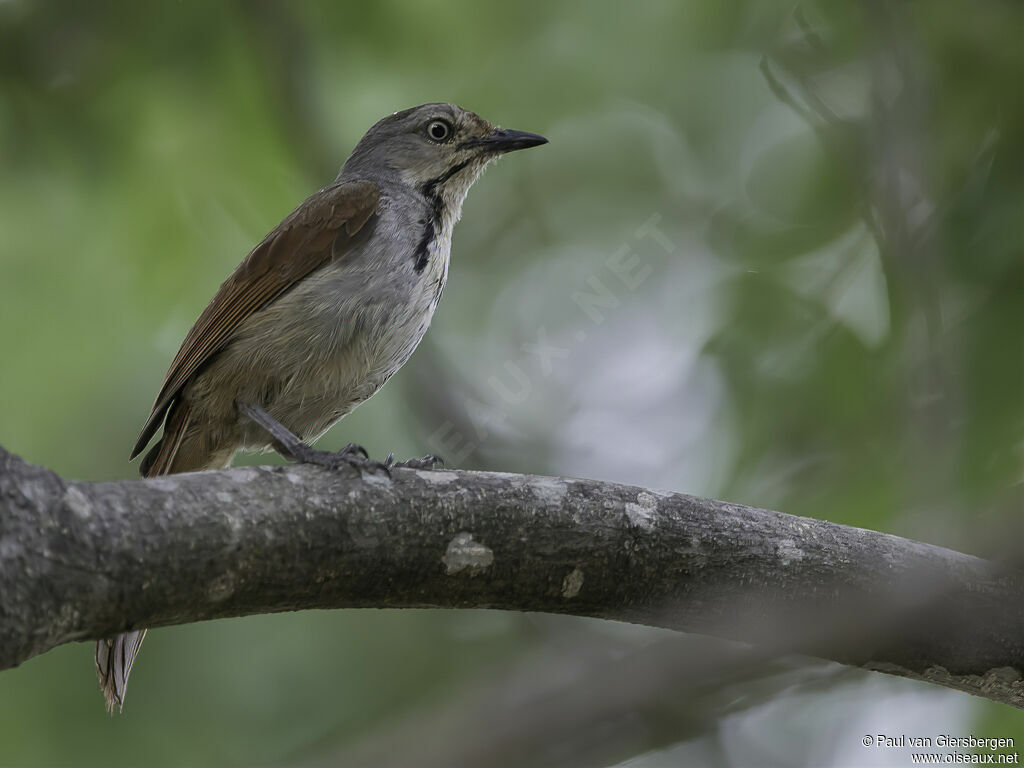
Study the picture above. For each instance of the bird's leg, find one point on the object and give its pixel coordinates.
(288, 444)
(427, 462)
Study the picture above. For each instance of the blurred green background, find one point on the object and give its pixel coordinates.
(822, 212)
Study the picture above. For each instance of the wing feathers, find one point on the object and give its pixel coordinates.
(316, 232)
(161, 456)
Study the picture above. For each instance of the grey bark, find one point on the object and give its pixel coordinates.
(81, 560)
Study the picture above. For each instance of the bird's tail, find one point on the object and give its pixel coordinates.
(114, 659)
(115, 656)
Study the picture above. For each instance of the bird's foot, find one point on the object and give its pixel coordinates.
(351, 455)
(291, 447)
(430, 461)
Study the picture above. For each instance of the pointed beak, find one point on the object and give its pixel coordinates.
(505, 140)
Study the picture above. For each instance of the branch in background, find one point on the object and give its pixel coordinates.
(581, 704)
(85, 560)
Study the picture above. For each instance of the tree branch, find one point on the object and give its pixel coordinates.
(85, 560)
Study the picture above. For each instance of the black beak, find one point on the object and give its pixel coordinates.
(505, 140)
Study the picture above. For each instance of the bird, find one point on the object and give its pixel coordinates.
(320, 314)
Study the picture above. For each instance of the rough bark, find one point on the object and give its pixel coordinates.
(85, 560)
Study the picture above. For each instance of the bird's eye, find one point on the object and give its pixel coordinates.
(439, 130)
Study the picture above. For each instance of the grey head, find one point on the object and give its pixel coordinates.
(438, 150)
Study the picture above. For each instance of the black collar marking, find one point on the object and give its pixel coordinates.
(435, 210)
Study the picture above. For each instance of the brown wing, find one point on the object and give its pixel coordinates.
(316, 232)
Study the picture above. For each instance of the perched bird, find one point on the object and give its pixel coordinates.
(321, 313)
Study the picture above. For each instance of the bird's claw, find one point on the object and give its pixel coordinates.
(354, 449)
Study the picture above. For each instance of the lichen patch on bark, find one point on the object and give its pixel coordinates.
(466, 556)
(641, 513)
(572, 583)
(77, 502)
(438, 477)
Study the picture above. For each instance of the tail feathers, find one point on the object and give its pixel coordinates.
(114, 659)
(115, 656)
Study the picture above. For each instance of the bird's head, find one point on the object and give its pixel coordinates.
(436, 149)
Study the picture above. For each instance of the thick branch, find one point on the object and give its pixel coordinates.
(85, 560)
